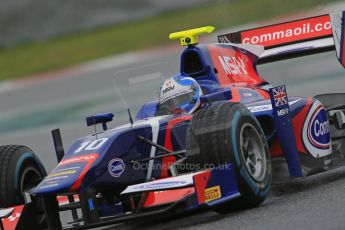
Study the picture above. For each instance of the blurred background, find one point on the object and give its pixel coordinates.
(62, 60)
(39, 20)
(38, 36)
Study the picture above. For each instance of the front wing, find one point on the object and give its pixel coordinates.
(164, 197)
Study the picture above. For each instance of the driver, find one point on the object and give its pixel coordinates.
(179, 94)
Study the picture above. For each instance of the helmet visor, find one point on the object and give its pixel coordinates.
(178, 101)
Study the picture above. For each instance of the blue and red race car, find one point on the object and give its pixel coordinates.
(221, 155)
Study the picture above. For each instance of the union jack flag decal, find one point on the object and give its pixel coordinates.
(279, 96)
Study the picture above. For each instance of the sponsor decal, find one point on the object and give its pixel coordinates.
(279, 96)
(247, 94)
(289, 32)
(54, 179)
(327, 161)
(116, 167)
(89, 157)
(62, 173)
(160, 185)
(212, 193)
(12, 221)
(14, 217)
(261, 108)
(91, 205)
(168, 89)
(233, 65)
(318, 129)
(48, 186)
(283, 112)
(69, 169)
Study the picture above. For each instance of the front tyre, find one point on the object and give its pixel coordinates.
(229, 133)
(20, 170)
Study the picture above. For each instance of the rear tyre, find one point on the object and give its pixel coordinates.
(229, 133)
(20, 170)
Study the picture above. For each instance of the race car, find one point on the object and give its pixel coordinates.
(215, 138)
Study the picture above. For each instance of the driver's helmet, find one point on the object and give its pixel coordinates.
(180, 92)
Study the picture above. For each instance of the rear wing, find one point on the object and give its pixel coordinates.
(295, 38)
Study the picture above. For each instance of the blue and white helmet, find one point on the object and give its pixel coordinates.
(180, 92)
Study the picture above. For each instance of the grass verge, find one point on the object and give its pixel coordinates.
(65, 51)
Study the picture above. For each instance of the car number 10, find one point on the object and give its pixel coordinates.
(91, 145)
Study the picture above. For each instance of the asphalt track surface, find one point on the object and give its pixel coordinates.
(29, 112)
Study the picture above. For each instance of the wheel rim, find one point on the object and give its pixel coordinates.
(253, 152)
(29, 178)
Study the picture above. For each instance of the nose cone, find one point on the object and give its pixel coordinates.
(68, 175)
